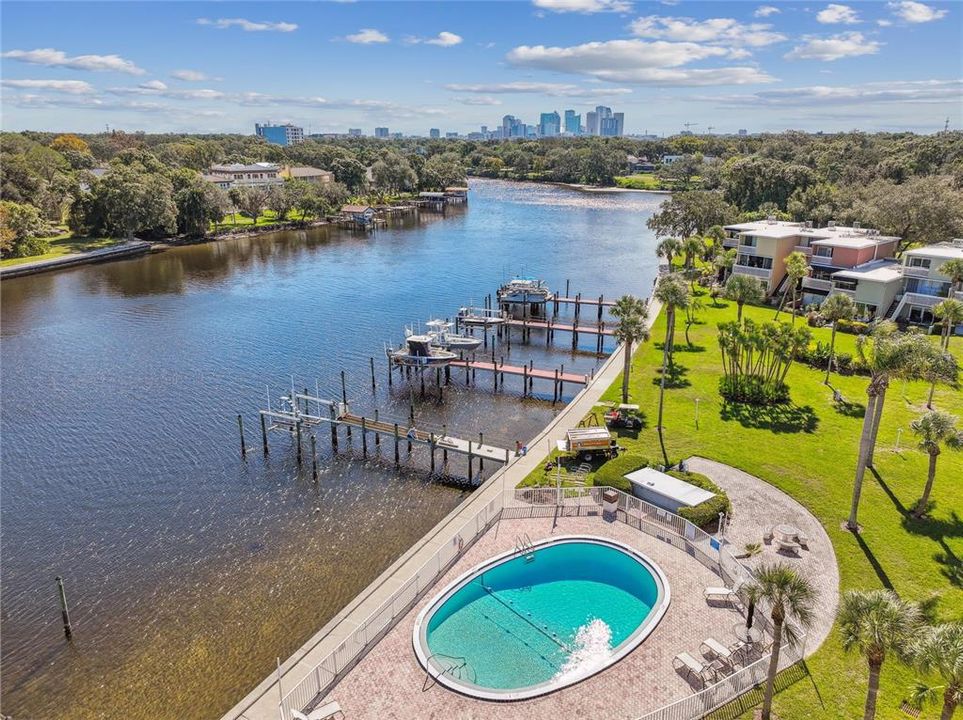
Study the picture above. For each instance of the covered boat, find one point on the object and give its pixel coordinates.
(524, 290)
(419, 351)
(442, 336)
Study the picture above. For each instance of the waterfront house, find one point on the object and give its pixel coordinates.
(224, 182)
(873, 286)
(923, 284)
(457, 195)
(362, 215)
(307, 174)
(255, 174)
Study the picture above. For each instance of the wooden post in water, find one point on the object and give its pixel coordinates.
(314, 458)
(364, 437)
(397, 456)
(555, 386)
(374, 386)
(334, 429)
(377, 434)
(63, 607)
(601, 299)
(524, 380)
(566, 288)
(469, 461)
(240, 427)
(421, 376)
(389, 372)
(444, 450)
(481, 458)
(297, 431)
(431, 444)
(344, 399)
(264, 440)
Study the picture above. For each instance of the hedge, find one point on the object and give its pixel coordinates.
(707, 512)
(613, 472)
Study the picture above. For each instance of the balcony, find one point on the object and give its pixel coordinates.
(843, 291)
(821, 260)
(921, 300)
(809, 283)
(917, 272)
(730, 242)
(761, 273)
(804, 249)
(747, 249)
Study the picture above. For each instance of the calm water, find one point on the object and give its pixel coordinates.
(189, 570)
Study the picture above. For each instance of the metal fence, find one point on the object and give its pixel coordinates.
(682, 534)
(319, 681)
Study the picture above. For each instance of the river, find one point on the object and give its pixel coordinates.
(189, 570)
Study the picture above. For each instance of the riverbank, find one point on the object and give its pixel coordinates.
(126, 249)
(262, 702)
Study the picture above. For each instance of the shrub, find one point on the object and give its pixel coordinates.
(852, 327)
(753, 390)
(707, 512)
(614, 471)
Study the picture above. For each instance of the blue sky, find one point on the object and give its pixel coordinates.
(211, 67)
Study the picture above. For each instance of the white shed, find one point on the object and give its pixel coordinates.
(665, 491)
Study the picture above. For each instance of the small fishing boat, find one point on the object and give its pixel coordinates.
(420, 351)
(524, 290)
(480, 317)
(442, 336)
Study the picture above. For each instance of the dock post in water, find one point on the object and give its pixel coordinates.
(481, 458)
(431, 444)
(397, 456)
(344, 399)
(469, 460)
(240, 427)
(364, 437)
(444, 451)
(373, 384)
(68, 632)
(314, 458)
(377, 434)
(297, 430)
(334, 429)
(264, 440)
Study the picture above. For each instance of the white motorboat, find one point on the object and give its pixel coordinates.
(420, 351)
(480, 317)
(443, 337)
(524, 290)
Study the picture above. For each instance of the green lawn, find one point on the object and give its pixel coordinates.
(641, 181)
(63, 244)
(265, 219)
(809, 450)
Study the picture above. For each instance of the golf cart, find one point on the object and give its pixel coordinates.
(624, 416)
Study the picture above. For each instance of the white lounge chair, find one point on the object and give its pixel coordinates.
(323, 712)
(712, 646)
(787, 546)
(723, 594)
(692, 666)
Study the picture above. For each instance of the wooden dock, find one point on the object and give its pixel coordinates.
(528, 373)
(551, 326)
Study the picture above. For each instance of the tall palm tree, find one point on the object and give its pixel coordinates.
(876, 623)
(935, 431)
(632, 314)
(673, 293)
(797, 267)
(951, 313)
(894, 354)
(939, 650)
(953, 269)
(723, 262)
(790, 597)
(692, 247)
(743, 289)
(835, 308)
(668, 249)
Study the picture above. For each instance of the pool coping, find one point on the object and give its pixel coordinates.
(627, 646)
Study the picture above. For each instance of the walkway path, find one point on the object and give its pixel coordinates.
(757, 506)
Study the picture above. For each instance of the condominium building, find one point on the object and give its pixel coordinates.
(434, 133)
(241, 175)
(280, 134)
(924, 284)
(573, 122)
(307, 174)
(381, 132)
(550, 124)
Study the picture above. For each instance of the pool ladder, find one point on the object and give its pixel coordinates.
(523, 546)
(459, 670)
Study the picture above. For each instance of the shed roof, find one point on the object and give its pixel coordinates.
(668, 487)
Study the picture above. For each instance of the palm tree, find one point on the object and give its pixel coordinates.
(835, 308)
(673, 293)
(693, 247)
(668, 249)
(797, 267)
(951, 312)
(632, 314)
(939, 650)
(935, 429)
(743, 289)
(876, 623)
(723, 262)
(953, 269)
(894, 354)
(791, 597)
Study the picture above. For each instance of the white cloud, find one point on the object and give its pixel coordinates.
(58, 58)
(248, 25)
(190, 76)
(638, 62)
(479, 100)
(835, 47)
(71, 87)
(915, 12)
(884, 23)
(584, 6)
(899, 92)
(766, 10)
(445, 39)
(367, 36)
(541, 88)
(834, 14)
(153, 85)
(156, 88)
(721, 31)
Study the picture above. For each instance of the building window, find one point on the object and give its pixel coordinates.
(918, 262)
(820, 251)
(748, 241)
(920, 315)
(755, 261)
(928, 287)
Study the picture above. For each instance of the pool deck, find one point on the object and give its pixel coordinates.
(389, 682)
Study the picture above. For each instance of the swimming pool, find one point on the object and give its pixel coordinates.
(525, 624)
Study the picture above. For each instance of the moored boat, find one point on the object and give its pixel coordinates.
(419, 351)
(480, 317)
(443, 337)
(524, 290)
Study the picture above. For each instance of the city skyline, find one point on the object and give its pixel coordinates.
(205, 67)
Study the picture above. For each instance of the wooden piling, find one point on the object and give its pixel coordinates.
(374, 386)
(469, 461)
(377, 434)
(397, 440)
(431, 444)
(264, 440)
(334, 429)
(314, 458)
(64, 613)
(364, 437)
(481, 459)
(240, 427)
(297, 432)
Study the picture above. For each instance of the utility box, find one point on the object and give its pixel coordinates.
(610, 502)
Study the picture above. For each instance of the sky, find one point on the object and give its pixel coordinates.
(410, 66)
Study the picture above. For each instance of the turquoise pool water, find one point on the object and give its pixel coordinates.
(542, 620)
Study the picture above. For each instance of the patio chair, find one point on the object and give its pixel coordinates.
(722, 594)
(802, 540)
(711, 646)
(787, 546)
(739, 648)
(328, 711)
(692, 666)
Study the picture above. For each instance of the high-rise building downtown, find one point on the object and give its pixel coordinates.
(280, 134)
(573, 122)
(512, 127)
(549, 124)
(612, 126)
(592, 122)
(434, 133)
(381, 132)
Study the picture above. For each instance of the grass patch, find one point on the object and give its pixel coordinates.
(808, 449)
(63, 244)
(640, 181)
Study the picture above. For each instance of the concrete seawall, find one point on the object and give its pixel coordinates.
(262, 702)
(121, 250)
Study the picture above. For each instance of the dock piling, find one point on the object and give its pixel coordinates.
(397, 456)
(240, 427)
(314, 458)
(297, 432)
(364, 437)
(374, 386)
(264, 440)
(481, 459)
(64, 613)
(334, 429)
